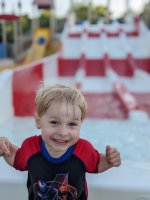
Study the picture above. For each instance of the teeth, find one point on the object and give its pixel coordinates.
(60, 141)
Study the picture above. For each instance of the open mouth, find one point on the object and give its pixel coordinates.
(60, 141)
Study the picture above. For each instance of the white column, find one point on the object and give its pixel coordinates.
(20, 27)
(4, 31)
(33, 23)
(3, 6)
(4, 36)
(71, 5)
(127, 6)
(52, 19)
(89, 14)
(108, 4)
(15, 35)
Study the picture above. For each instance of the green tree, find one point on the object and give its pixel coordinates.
(81, 12)
(26, 23)
(9, 29)
(45, 18)
(146, 15)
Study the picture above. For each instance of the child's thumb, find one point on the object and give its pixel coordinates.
(108, 154)
(107, 148)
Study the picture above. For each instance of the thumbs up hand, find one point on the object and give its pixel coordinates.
(113, 156)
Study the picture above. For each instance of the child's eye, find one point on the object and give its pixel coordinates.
(54, 122)
(73, 124)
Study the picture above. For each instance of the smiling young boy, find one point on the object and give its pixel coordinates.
(57, 160)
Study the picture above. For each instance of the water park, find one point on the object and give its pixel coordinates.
(109, 61)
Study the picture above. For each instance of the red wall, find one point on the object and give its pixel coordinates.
(143, 64)
(25, 83)
(67, 67)
(105, 106)
(95, 67)
(122, 67)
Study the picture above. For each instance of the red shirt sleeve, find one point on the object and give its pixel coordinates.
(88, 155)
(29, 147)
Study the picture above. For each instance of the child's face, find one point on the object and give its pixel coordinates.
(60, 127)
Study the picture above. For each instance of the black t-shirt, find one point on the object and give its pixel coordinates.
(62, 180)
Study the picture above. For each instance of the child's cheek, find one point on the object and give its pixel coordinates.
(47, 132)
(76, 134)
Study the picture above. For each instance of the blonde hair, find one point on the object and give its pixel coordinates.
(46, 95)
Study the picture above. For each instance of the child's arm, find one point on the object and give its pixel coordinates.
(110, 159)
(7, 150)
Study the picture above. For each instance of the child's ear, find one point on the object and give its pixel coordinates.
(37, 121)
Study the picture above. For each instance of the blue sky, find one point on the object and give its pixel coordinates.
(62, 6)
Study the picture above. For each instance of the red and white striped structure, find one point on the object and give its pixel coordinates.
(106, 67)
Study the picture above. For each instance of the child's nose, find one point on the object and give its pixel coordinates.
(62, 131)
